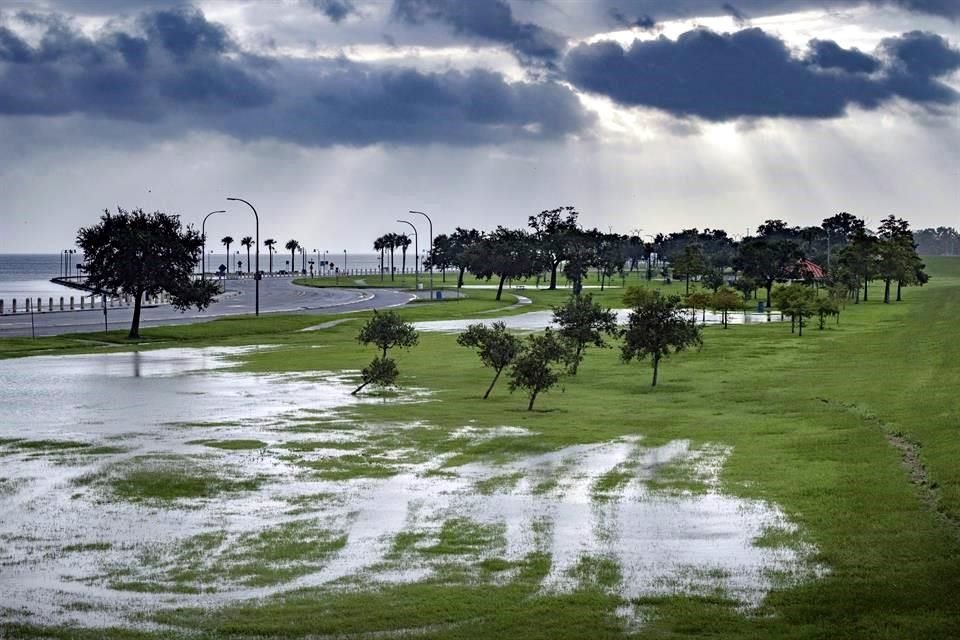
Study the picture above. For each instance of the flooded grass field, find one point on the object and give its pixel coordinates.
(138, 483)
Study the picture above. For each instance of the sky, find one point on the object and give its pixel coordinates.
(336, 117)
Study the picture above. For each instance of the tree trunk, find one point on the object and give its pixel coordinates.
(687, 292)
(381, 264)
(800, 324)
(576, 360)
(358, 389)
(602, 277)
(460, 277)
(500, 288)
(899, 285)
(248, 261)
(769, 287)
(656, 367)
(403, 262)
(135, 325)
(270, 249)
(553, 275)
(886, 291)
(865, 283)
(533, 397)
(391, 264)
(490, 388)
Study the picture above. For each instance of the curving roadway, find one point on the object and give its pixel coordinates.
(277, 295)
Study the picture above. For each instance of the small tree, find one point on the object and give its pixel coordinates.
(796, 301)
(381, 372)
(636, 296)
(496, 347)
(726, 300)
(386, 330)
(227, 241)
(143, 254)
(583, 322)
(532, 370)
(699, 300)
(826, 306)
(657, 328)
(247, 242)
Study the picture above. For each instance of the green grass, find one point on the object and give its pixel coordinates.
(167, 479)
(808, 423)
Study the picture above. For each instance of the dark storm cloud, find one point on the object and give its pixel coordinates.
(702, 8)
(750, 73)
(488, 19)
(644, 22)
(827, 54)
(181, 72)
(336, 10)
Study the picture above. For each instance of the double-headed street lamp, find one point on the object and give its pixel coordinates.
(256, 272)
(203, 237)
(430, 252)
(416, 254)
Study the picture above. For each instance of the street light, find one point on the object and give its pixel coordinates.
(345, 262)
(421, 213)
(256, 272)
(416, 254)
(203, 237)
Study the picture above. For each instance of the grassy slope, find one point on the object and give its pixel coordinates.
(808, 420)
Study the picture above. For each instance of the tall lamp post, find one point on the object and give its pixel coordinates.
(256, 272)
(203, 236)
(430, 252)
(416, 254)
(344, 262)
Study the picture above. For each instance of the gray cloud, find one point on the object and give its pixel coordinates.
(181, 72)
(750, 73)
(336, 10)
(739, 17)
(644, 22)
(488, 19)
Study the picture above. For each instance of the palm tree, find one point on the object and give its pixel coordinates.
(379, 245)
(227, 241)
(248, 242)
(403, 240)
(391, 241)
(269, 243)
(292, 246)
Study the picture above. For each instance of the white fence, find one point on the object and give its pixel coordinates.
(71, 303)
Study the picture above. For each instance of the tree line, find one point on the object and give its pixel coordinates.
(841, 252)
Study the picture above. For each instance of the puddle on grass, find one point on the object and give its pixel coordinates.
(78, 547)
(539, 320)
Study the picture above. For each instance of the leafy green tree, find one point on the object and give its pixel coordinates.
(897, 258)
(825, 307)
(497, 348)
(766, 260)
(698, 300)
(553, 230)
(690, 263)
(461, 243)
(798, 302)
(506, 253)
(726, 300)
(635, 296)
(386, 330)
(713, 279)
(270, 243)
(657, 328)
(581, 254)
(860, 257)
(610, 256)
(532, 369)
(746, 287)
(583, 322)
(144, 254)
(382, 372)
(441, 256)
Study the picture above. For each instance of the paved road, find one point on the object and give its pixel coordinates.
(277, 295)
